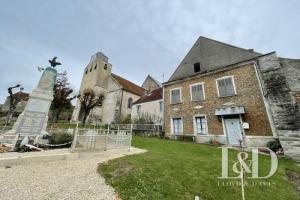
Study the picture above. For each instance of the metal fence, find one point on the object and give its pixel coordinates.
(140, 129)
(93, 139)
(101, 139)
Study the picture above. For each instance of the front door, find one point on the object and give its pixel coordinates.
(233, 131)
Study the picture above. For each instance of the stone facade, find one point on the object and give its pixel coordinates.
(280, 82)
(267, 96)
(150, 84)
(119, 93)
(248, 95)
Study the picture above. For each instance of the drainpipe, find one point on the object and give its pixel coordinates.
(266, 103)
(121, 104)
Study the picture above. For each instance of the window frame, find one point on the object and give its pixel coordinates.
(129, 103)
(180, 96)
(203, 90)
(161, 106)
(138, 109)
(195, 125)
(172, 126)
(233, 83)
(197, 64)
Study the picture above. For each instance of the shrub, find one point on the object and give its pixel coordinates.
(274, 145)
(60, 138)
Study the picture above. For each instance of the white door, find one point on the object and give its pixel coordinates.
(233, 131)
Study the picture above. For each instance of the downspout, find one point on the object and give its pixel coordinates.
(266, 103)
(121, 103)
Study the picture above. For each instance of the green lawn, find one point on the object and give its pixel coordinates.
(182, 170)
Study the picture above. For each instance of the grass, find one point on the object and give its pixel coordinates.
(181, 170)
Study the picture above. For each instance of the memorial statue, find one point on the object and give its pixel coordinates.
(32, 122)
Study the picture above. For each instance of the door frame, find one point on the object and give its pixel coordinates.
(225, 130)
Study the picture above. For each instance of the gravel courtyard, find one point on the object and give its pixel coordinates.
(65, 179)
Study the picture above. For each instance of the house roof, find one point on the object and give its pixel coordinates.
(128, 85)
(154, 80)
(217, 70)
(153, 96)
(212, 55)
(21, 95)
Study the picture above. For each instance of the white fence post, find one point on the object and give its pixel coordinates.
(75, 138)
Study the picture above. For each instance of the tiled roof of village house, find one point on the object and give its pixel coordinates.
(153, 96)
(211, 55)
(128, 85)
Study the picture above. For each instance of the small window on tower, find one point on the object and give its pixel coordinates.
(197, 67)
(91, 69)
(105, 66)
(86, 71)
(95, 66)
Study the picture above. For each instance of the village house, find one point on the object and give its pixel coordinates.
(20, 106)
(149, 107)
(151, 84)
(228, 94)
(119, 93)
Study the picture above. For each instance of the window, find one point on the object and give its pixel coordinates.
(138, 109)
(177, 126)
(86, 71)
(105, 66)
(161, 106)
(95, 66)
(91, 69)
(175, 96)
(200, 125)
(197, 92)
(226, 86)
(129, 104)
(197, 67)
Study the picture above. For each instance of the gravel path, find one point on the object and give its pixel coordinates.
(77, 179)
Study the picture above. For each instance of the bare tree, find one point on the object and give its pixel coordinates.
(14, 99)
(89, 100)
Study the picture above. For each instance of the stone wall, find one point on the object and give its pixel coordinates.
(280, 81)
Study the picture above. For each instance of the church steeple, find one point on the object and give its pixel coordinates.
(97, 72)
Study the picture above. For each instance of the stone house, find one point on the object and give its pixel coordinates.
(229, 94)
(20, 106)
(119, 93)
(151, 84)
(150, 107)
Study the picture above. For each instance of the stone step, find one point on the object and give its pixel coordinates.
(18, 159)
(289, 139)
(294, 134)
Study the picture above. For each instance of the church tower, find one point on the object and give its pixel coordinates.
(96, 73)
(95, 76)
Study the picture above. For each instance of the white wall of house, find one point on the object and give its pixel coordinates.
(151, 107)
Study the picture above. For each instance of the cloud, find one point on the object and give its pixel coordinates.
(140, 37)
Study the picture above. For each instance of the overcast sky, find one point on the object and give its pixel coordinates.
(140, 37)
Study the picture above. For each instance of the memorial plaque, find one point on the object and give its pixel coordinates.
(38, 105)
(31, 123)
